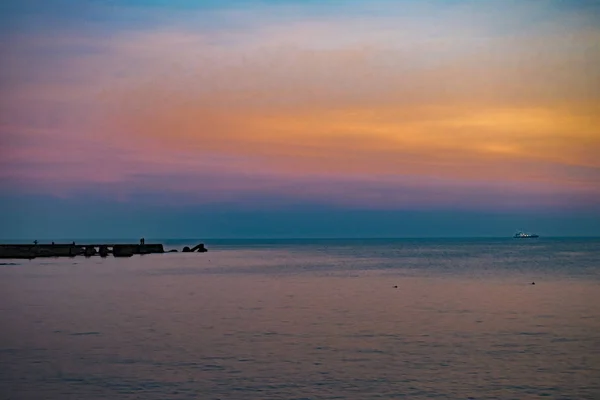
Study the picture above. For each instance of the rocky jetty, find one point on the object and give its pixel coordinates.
(30, 251)
(199, 248)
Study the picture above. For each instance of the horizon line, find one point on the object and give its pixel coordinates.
(27, 240)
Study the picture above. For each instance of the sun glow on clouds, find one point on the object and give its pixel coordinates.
(401, 107)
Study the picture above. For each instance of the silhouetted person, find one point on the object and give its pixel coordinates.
(35, 242)
(142, 241)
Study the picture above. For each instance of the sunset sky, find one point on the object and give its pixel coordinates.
(173, 118)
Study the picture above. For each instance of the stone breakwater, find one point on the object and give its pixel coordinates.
(30, 251)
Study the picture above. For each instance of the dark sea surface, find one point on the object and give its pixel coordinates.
(308, 319)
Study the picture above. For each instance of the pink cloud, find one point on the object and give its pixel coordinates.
(381, 117)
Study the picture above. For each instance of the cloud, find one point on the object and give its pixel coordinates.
(444, 95)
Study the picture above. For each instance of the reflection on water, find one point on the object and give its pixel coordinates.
(273, 320)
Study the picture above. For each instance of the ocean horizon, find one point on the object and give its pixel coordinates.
(294, 199)
(276, 238)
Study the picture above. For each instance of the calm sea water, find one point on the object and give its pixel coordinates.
(308, 320)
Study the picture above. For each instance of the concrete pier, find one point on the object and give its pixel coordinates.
(34, 250)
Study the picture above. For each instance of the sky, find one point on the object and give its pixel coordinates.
(294, 118)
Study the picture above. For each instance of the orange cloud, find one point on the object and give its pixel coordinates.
(459, 141)
(314, 99)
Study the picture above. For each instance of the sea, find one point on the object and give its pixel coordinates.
(307, 319)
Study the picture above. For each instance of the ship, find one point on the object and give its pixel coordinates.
(523, 235)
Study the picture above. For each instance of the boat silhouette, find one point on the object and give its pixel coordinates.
(523, 235)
